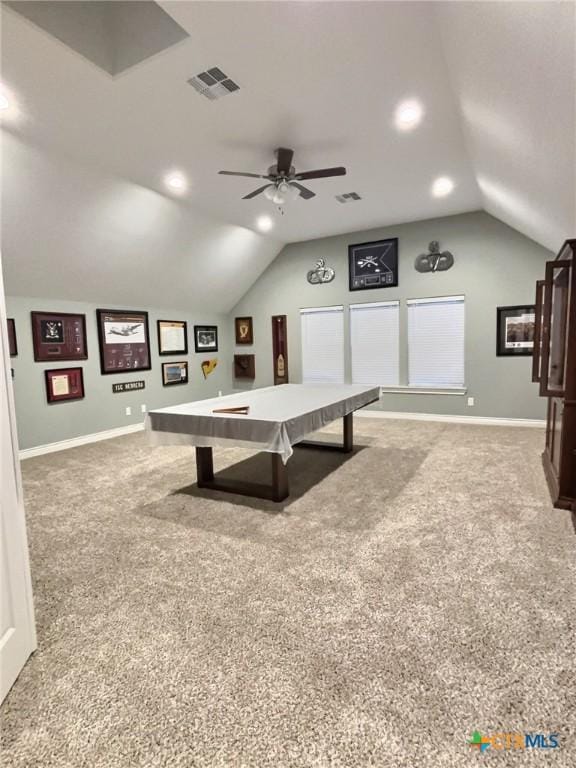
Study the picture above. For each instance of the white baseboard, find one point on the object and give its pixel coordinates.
(486, 421)
(74, 442)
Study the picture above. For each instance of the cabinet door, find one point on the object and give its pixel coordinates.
(538, 323)
(555, 328)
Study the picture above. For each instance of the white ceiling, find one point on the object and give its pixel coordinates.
(496, 81)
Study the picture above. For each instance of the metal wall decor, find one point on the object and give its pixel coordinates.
(434, 261)
(321, 273)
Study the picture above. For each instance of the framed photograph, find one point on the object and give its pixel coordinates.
(64, 384)
(373, 265)
(124, 341)
(515, 330)
(172, 337)
(206, 338)
(174, 373)
(59, 336)
(12, 344)
(244, 331)
(244, 367)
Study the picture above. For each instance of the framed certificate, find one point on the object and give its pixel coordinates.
(124, 341)
(172, 337)
(59, 336)
(515, 330)
(12, 337)
(64, 384)
(174, 373)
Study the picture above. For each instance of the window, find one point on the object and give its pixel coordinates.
(374, 334)
(322, 345)
(436, 342)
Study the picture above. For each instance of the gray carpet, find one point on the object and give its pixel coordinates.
(401, 598)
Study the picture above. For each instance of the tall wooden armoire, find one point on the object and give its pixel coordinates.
(554, 368)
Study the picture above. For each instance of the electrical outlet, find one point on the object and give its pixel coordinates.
(470, 401)
(128, 411)
(219, 393)
(143, 408)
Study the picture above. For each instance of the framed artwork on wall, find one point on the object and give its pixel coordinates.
(175, 373)
(64, 384)
(12, 344)
(172, 337)
(515, 330)
(280, 349)
(206, 338)
(59, 336)
(244, 330)
(373, 265)
(124, 340)
(244, 367)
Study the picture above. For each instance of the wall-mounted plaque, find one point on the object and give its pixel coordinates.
(280, 349)
(373, 265)
(64, 384)
(244, 367)
(128, 386)
(244, 330)
(515, 330)
(174, 373)
(206, 338)
(124, 340)
(12, 344)
(59, 336)
(172, 337)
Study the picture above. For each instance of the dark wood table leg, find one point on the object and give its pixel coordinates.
(279, 478)
(348, 443)
(204, 467)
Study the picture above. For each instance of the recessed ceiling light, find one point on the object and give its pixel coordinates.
(408, 114)
(442, 186)
(264, 223)
(176, 182)
(4, 103)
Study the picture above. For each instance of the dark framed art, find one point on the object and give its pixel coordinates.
(12, 343)
(124, 340)
(59, 336)
(175, 373)
(64, 384)
(373, 265)
(244, 330)
(244, 367)
(172, 337)
(206, 338)
(280, 349)
(515, 330)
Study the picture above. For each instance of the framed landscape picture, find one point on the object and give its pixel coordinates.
(12, 344)
(124, 341)
(206, 338)
(174, 373)
(58, 336)
(373, 265)
(515, 330)
(172, 337)
(64, 384)
(244, 330)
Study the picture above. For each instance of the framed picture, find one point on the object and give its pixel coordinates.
(244, 367)
(59, 336)
(172, 337)
(373, 265)
(244, 331)
(13, 346)
(124, 341)
(174, 373)
(515, 330)
(206, 338)
(64, 384)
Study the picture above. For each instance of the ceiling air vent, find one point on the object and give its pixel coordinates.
(349, 197)
(213, 84)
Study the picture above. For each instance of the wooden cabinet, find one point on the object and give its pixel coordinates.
(554, 369)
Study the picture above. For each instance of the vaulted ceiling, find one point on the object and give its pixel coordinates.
(84, 159)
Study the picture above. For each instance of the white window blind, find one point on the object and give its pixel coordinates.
(374, 335)
(436, 342)
(322, 345)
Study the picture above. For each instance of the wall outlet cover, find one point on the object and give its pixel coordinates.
(470, 401)
(143, 408)
(128, 411)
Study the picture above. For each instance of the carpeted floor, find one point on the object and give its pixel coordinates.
(403, 597)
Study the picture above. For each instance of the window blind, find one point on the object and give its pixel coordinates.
(436, 342)
(322, 345)
(374, 343)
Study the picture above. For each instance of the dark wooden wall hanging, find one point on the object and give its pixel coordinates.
(244, 367)
(280, 349)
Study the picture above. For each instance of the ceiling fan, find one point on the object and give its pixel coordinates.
(283, 181)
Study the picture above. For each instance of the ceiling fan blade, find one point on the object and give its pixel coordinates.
(284, 160)
(238, 173)
(323, 173)
(305, 194)
(256, 192)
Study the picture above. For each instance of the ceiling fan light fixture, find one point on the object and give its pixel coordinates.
(270, 192)
(293, 192)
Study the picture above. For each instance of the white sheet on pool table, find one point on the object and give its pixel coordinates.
(279, 416)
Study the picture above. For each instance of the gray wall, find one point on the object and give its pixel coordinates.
(495, 266)
(40, 423)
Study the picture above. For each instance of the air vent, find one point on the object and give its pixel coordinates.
(213, 84)
(349, 197)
